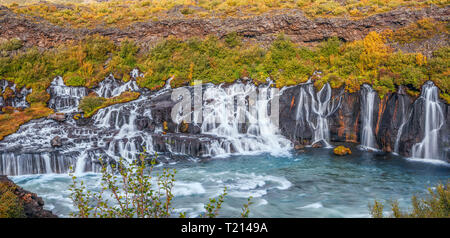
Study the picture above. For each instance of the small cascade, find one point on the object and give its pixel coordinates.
(405, 117)
(367, 105)
(127, 141)
(111, 87)
(121, 130)
(314, 109)
(434, 120)
(136, 74)
(240, 116)
(20, 100)
(20, 97)
(65, 98)
(3, 85)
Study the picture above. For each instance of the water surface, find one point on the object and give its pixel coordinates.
(312, 184)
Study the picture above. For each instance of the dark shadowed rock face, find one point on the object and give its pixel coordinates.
(345, 123)
(289, 126)
(398, 121)
(32, 204)
(393, 121)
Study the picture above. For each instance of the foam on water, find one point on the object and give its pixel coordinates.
(315, 205)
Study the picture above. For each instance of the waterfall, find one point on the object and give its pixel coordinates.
(20, 97)
(241, 116)
(120, 130)
(314, 109)
(434, 120)
(110, 87)
(405, 117)
(367, 104)
(64, 98)
(20, 100)
(112, 134)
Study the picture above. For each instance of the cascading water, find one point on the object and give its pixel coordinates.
(120, 130)
(313, 110)
(367, 104)
(433, 122)
(240, 116)
(127, 141)
(110, 87)
(64, 98)
(19, 98)
(405, 117)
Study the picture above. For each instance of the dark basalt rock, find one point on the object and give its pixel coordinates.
(32, 204)
(289, 127)
(262, 28)
(57, 117)
(395, 115)
(344, 124)
(56, 141)
(389, 113)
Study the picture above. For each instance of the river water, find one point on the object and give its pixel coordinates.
(311, 184)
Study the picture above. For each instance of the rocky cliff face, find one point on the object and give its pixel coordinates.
(293, 23)
(32, 204)
(399, 121)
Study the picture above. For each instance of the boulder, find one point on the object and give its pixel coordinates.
(56, 141)
(57, 117)
(342, 150)
(319, 144)
(299, 147)
(33, 206)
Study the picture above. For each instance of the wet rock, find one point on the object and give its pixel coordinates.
(319, 144)
(56, 141)
(299, 146)
(395, 115)
(83, 121)
(57, 116)
(33, 206)
(345, 123)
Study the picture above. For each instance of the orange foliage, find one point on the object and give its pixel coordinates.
(10, 122)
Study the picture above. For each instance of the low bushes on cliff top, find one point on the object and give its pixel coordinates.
(422, 29)
(342, 64)
(370, 60)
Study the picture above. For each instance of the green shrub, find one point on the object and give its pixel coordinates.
(10, 45)
(134, 193)
(90, 103)
(436, 205)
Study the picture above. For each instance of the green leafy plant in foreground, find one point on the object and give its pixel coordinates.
(129, 190)
(436, 205)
